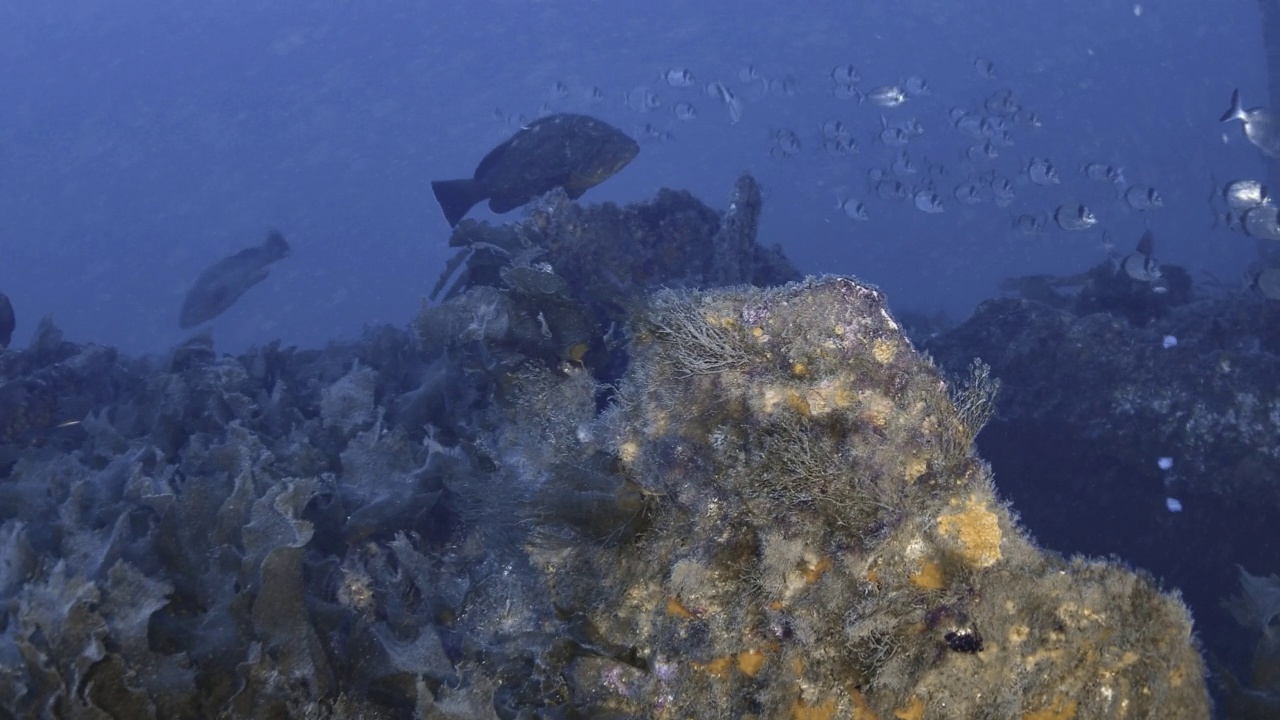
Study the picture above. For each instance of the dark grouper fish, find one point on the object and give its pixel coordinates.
(574, 152)
(222, 283)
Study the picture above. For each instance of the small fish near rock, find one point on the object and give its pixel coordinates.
(574, 152)
(222, 283)
(7, 322)
(1141, 264)
(1264, 281)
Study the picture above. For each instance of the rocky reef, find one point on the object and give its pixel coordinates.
(825, 543)
(562, 493)
(1145, 425)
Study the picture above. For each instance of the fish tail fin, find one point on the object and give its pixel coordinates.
(276, 246)
(456, 198)
(1237, 111)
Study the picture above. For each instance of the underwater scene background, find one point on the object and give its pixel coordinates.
(559, 360)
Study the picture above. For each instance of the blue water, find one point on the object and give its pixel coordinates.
(141, 141)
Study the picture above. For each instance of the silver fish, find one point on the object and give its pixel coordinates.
(892, 190)
(1028, 118)
(734, 107)
(786, 86)
(1104, 173)
(1141, 264)
(1229, 219)
(853, 209)
(902, 165)
(785, 144)
(1029, 224)
(650, 132)
(1002, 191)
(1002, 102)
(1074, 217)
(968, 193)
(1042, 172)
(835, 129)
(915, 86)
(1245, 194)
(1265, 281)
(221, 284)
(679, 77)
(1261, 126)
(1143, 198)
(685, 112)
(845, 75)
(1002, 186)
(912, 127)
(887, 96)
(994, 126)
(721, 92)
(985, 151)
(985, 67)
(928, 201)
(892, 136)
(642, 99)
(841, 145)
(975, 126)
(1262, 222)
(558, 90)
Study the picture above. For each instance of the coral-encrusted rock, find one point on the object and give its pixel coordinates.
(825, 543)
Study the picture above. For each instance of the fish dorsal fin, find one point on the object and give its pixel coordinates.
(1147, 243)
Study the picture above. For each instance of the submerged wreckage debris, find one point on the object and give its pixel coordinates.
(563, 285)
(730, 503)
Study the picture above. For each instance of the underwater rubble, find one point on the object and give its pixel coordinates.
(562, 493)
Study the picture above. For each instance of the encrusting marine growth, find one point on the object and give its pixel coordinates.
(820, 545)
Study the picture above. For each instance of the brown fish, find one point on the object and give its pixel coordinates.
(574, 152)
(222, 283)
